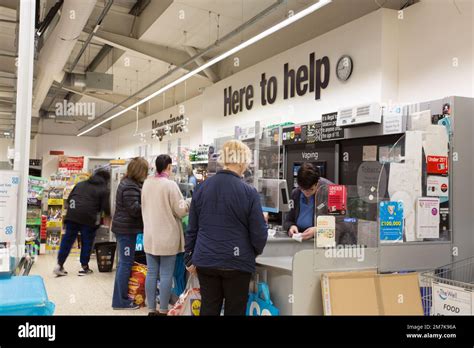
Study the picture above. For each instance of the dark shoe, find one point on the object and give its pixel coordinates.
(59, 271)
(132, 306)
(157, 314)
(85, 271)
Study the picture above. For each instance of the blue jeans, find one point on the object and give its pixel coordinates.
(68, 239)
(126, 251)
(164, 267)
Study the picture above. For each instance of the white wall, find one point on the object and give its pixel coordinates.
(396, 59)
(71, 145)
(122, 142)
(432, 34)
(361, 39)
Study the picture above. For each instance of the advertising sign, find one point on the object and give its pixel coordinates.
(427, 217)
(391, 222)
(71, 163)
(9, 181)
(451, 300)
(437, 165)
(326, 232)
(337, 199)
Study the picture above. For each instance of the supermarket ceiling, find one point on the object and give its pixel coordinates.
(139, 41)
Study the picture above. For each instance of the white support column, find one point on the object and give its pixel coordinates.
(24, 97)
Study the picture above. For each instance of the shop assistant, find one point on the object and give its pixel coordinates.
(311, 193)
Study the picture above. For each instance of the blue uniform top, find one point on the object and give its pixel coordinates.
(305, 217)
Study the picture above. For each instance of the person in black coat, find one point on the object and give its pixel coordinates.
(226, 232)
(87, 200)
(126, 224)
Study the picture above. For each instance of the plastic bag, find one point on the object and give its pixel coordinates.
(136, 284)
(189, 302)
(260, 303)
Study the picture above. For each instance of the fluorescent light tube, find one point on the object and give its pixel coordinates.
(217, 59)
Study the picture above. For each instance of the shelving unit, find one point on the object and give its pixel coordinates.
(36, 187)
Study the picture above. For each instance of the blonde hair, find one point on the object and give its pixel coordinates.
(235, 152)
(137, 169)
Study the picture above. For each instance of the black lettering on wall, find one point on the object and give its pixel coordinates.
(301, 80)
(235, 102)
(322, 63)
(272, 89)
(289, 82)
(263, 87)
(227, 101)
(249, 98)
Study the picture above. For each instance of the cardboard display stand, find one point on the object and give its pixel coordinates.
(368, 293)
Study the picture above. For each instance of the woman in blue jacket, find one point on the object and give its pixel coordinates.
(226, 232)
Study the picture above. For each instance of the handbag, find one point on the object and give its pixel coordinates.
(259, 303)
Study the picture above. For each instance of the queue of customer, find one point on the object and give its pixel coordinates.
(227, 229)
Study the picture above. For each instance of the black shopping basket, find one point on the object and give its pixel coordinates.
(105, 253)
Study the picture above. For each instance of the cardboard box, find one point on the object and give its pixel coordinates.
(368, 293)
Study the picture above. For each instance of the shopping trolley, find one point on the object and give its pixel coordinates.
(449, 289)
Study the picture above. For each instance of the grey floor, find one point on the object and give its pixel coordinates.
(74, 295)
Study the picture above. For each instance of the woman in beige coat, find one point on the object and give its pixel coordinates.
(163, 207)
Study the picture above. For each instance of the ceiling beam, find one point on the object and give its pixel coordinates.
(144, 49)
(210, 72)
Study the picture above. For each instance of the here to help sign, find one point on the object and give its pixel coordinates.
(451, 300)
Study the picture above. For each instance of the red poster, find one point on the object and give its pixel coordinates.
(337, 199)
(437, 165)
(71, 163)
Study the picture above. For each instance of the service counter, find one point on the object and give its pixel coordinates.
(293, 272)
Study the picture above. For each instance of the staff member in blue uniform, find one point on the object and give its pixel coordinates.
(311, 193)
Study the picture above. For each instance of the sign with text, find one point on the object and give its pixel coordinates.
(71, 163)
(329, 131)
(451, 300)
(312, 77)
(9, 181)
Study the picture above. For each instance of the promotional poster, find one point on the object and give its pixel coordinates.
(391, 222)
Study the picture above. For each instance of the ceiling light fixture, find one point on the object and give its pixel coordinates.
(217, 59)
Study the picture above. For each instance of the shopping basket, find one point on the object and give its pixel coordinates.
(449, 289)
(105, 253)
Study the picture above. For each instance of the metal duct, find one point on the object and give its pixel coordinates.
(58, 47)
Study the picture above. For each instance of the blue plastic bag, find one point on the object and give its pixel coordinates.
(260, 303)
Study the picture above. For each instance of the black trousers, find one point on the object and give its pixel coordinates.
(218, 285)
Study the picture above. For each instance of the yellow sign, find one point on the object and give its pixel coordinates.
(53, 224)
(55, 201)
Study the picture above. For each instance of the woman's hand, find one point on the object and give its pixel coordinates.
(293, 230)
(191, 269)
(309, 233)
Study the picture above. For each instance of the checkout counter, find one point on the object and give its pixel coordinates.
(380, 163)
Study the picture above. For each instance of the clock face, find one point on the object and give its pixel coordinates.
(344, 68)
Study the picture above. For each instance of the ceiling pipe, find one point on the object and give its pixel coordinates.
(84, 46)
(58, 47)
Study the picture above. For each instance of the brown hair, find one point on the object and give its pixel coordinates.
(137, 169)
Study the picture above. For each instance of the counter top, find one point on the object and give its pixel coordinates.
(284, 262)
(283, 238)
